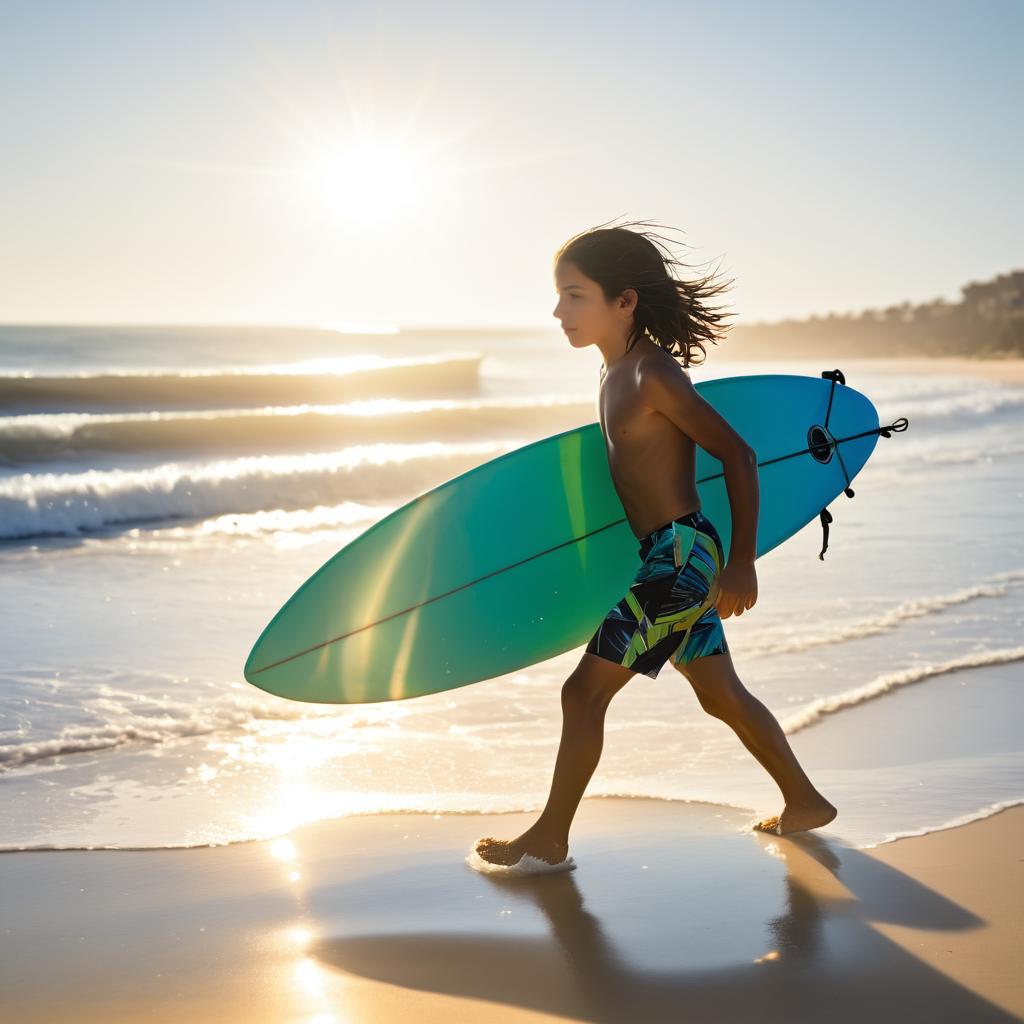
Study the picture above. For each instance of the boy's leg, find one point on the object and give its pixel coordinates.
(586, 695)
(723, 695)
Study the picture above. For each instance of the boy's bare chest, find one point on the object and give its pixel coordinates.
(625, 419)
(651, 460)
(641, 442)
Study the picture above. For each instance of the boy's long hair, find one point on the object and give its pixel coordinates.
(672, 312)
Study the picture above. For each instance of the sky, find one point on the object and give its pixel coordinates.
(348, 164)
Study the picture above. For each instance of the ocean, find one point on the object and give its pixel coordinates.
(163, 490)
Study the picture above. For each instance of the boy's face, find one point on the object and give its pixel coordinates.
(584, 314)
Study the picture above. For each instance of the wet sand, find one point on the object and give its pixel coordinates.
(676, 912)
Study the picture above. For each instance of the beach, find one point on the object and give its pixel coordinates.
(348, 408)
(674, 912)
(177, 843)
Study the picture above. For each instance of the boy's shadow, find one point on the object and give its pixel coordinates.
(809, 955)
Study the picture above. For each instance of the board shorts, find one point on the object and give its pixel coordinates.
(668, 611)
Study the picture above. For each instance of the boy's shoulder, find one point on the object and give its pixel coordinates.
(658, 361)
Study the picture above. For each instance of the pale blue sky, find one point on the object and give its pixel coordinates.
(165, 162)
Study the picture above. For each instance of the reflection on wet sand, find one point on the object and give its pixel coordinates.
(814, 956)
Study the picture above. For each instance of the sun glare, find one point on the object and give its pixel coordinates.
(369, 182)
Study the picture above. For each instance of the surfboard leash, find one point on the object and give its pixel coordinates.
(821, 445)
(832, 444)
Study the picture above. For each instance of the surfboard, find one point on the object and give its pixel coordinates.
(519, 559)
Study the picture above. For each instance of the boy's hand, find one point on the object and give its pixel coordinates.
(735, 588)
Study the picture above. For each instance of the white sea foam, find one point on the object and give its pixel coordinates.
(964, 819)
(982, 400)
(891, 618)
(817, 709)
(526, 865)
(122, 717)
(33, 505)
(281, 521)
(918, 461)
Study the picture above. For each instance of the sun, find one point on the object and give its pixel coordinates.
(369, 181)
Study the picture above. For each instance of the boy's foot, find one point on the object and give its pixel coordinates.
(798, 817)
(510, 851)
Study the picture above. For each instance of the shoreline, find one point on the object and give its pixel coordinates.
(990, 810)
(378, 917)
(1007, 370)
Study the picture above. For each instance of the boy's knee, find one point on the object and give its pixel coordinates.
(581, 697)
(717, 705)
(721, 696)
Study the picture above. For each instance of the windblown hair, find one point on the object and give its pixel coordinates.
(672, 312)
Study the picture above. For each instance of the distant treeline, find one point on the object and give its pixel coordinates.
(988, 321)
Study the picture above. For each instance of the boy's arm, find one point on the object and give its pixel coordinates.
(669, 390)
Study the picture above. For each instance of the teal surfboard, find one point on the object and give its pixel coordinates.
(519, 559)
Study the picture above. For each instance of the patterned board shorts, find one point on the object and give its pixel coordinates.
(667, 611)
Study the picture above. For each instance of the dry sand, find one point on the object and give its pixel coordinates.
(677, 912)
(1008, 370)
